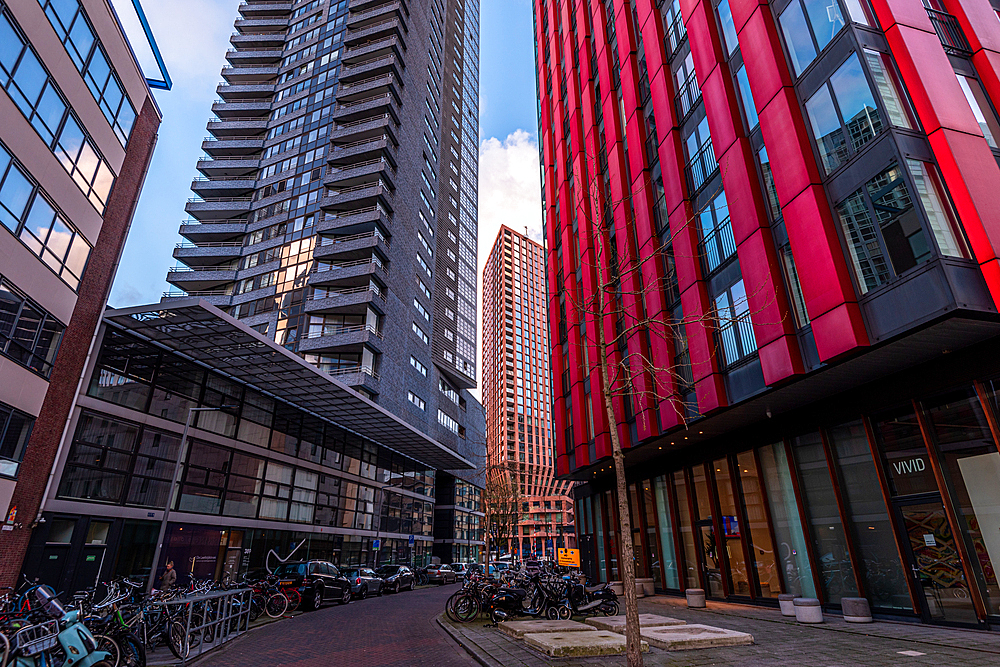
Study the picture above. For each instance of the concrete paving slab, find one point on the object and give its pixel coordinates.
(685, 637)
(617, 623)
(579, 644)
(518, 629)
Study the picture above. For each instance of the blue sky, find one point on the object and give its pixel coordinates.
(194, 53)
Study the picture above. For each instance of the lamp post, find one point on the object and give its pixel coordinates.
(170, 496)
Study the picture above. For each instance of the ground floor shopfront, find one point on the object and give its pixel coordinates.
(891, 493)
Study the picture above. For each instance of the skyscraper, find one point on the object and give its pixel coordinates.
(516, 394)
(337, 210)
(802, 196)
(79, 126)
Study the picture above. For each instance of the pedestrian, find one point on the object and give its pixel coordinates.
(169, 577)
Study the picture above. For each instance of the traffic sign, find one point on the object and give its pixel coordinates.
(411, 540)
(376, 545)
(568, 557)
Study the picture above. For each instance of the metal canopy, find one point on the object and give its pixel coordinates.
(198, 330)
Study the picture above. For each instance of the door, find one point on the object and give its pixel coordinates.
(711, 560)
(935, 563)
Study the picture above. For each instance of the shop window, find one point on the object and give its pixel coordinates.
(732, 529)
(756, 533)
(661, 493)
(792, 554)
(971, 463)
(981, 108)
(904, 453)
(842, 130)
(881, 570)
(686, 531)
(882, 228)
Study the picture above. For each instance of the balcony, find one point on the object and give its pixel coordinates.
(261, 56)
(675, 35)
(949, 32)
(377, 105)
(347, 301)
(262, 9)
(360, 173)
(380, 84)
(369, 50)
(251, 74)
(241, 92)
(242, 108)
(688, 94)
(358, 196)
(369, 67)
(276, 23)
(258, 40)
(223, 186)
(232, 146)
(348, 248)
(392, 27)
(377, 12)
(365, 377)
(228, 166)
(217, 207)
(717, 247)
(236, 126)
(356, 273)
(208, 254)
(213, 231)
(701, 167)
(355, 221)
(201, 278)
(329, 338)
(216, 297)
(365, 129)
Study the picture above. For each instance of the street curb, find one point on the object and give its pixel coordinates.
(471, 648)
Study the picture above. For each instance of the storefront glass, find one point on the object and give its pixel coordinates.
(972, 463)
(829, 540)
(602, 573)
(649, 513)
(882, 572)
(711, 559)
(638, 536)
(759, 536)
(904, 453)
(732, 529)
(671, 574)
(691, 579)
(793, 557)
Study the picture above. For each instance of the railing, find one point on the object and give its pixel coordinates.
(207, 292)
(210, 244)
(215, 200)
(350, 370)
(197, 269)
(261, 33)
(250, 66)
(382, 77)
(355, 144)
(371, 42)
(718, 246)
(223, 616)
(357, 188)
(354, 212)
(336, 330)
(688, 94)
(323, 268)
(675, 34)
(374, 10)
(348, 68)
(209, 179)
(216, 221)
(359, 165)
(259, 137)
(325, 241)
(701, 167)
(355, 123)
(371, 26)
(239, 119)
(229, 158)
(736, 338)
(328, 293)
(949, 32)
(357, 103)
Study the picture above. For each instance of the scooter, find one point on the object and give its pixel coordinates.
(62, 641)
(584, 600)
(509, 602)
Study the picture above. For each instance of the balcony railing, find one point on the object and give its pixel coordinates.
(336, 330)
(701, 167)
(718, 246)
(736, 338)
(688, 94)
(325, 241)
(319, 294)
(950, 33)
(675, 34)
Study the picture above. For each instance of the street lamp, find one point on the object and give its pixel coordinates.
(170, 496)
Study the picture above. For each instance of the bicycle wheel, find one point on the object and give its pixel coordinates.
(133, 653)
(294, 598)
(276, 605)
(256, 607)
(110, 646)
(467, 608)
(449, 607)
(177, 640)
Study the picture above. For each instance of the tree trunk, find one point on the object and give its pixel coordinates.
(626, 559)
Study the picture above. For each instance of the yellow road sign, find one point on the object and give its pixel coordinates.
(569, 557)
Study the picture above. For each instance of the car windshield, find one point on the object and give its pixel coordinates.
(290, 570)
(351, 573)
(388, 570)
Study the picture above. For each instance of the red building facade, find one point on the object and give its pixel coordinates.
(821, 182)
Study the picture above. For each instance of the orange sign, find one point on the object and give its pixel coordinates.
(568, 557)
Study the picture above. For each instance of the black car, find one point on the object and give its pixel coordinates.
(397, 577)
(317, 581)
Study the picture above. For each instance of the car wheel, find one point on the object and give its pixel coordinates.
(412, 584)
(346, 597)
(363, 593)
(317, 598)
(396, 588)
(379, 591)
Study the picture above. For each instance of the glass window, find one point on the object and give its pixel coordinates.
(15, 429)
(735, 328)
(793, 557)
(904, 453)
(691, 579)
(794, 286)
(890, 88)
(829, 540)
(940, 215)
(729, 39)
(717, 240)
(732, 530)
(798, 41)
(667, 551)
(981, 108)
(828, 133)
(882, 571)
(746, 98)
(757, 531)
(825, 19)
(15, 192)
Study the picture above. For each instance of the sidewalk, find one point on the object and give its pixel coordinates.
(778, 641)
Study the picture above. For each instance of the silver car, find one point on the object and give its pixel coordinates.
(440, 574)
(364, 582)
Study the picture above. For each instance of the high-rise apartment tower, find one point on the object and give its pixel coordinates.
(79, 126)
(336, 212)
(516, 392)
(801, 197)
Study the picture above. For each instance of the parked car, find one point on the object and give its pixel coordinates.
(364, 582)
(499, 565)
(440, 574)
(477, 568)
(532, 567)
(461, 569)
(397, 577)
(317, 581)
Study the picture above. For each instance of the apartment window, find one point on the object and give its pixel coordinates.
(841, 130)
(717, 240)
(736, 338)
(420, 334)
(981, 108)
(701, 156)
(940, 215)
(70, 23)
(890, 89)
(420, 309)
(746, 98)
(30, 217)
(808, 26)
(28, 335)
(448, 422)
(416, 400)
(729, 39)
(15, 429)
(419, 366)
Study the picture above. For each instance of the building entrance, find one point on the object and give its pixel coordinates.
(935, 563)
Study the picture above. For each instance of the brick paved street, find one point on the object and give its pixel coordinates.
(779, 642)
(377, 632)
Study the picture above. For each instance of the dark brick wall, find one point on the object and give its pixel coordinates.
(40, 454)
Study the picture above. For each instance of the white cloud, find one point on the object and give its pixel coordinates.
(510, 193)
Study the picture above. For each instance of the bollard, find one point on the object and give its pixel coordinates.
(785, 601)
(808, 610)
(856, 610)
(695, 598)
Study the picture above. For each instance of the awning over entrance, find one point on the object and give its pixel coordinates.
(198, 330)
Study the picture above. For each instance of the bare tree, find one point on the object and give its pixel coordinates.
(619, 271)
(501, 503)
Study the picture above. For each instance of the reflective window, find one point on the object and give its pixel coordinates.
(798, 41)
(28, 334)
(883, 209)
(15, 429)
(904, 453)
(735, 328)
(981, 108)
(757, 533)
(686, 530)
(890, 89)
(842, 130)
(729, 39)
(746, 98)
(940, 215)
(662, 491)
(790, 548)
(717, 240)
(732, 529)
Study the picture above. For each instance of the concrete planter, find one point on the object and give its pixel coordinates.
(618, 588)
(787, 604)
(648, 586)
(695, 598)
(808, 610)
(856, 610)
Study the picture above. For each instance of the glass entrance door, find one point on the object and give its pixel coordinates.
(935, 563)
(711, 560)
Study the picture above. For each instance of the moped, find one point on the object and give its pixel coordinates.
(51, 637)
